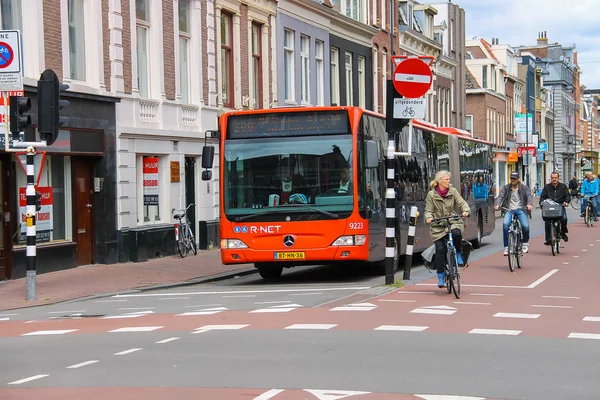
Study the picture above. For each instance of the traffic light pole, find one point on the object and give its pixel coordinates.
(31, 229)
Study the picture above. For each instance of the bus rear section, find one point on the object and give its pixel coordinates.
(288, 189)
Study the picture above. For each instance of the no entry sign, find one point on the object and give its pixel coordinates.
(412, 78)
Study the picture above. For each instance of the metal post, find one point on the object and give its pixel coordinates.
(526, 154)
(390, 214)
(6, 133)
(410, 242)
(30, 216)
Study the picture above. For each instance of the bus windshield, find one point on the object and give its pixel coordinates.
(288, 178)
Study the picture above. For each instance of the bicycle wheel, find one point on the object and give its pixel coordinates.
(575, 202)
(588, 216)
(181, 247)
(552, 237)
(512, 260)
(449, 256)
(193, 246)
(519, 252)
(455, 278)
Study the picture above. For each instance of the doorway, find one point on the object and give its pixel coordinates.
(5, 217)
(84, 211)
(190, 190)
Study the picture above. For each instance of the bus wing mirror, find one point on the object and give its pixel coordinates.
(372, 154)
(206, 175)
(208, 155)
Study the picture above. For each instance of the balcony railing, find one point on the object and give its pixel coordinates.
(189, 115)
(148, 110)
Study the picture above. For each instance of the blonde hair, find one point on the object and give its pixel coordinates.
(438, 177)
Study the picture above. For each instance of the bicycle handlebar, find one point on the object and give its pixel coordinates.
(448, 218)
(181, 210)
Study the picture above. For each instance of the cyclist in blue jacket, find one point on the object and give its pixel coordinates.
(589, 187)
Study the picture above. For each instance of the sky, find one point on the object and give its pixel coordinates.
(518, 22)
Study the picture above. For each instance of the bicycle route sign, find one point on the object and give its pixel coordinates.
(409, 108)
(11, 65)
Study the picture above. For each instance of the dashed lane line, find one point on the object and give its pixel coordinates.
(577, 335)
(516, 315)
(122, 353)
(49, 332)
(83, 364)
(136, 329)
(311, 326)
(403, 328)
(25, 380)
(167, 340)
(592, 319)
(562, 297)
(549, 306)
(495, 332)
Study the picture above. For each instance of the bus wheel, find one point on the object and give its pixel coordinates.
(477, 242)
(269, 271)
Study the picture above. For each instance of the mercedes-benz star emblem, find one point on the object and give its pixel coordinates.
(288, 241)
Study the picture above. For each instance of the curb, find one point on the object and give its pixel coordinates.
(194, 281)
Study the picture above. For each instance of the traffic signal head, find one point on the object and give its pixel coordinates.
(18, 121)
(49, 106)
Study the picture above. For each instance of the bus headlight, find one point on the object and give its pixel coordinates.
(233, 244)
(355, 240)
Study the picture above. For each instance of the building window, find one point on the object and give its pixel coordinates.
(320, 72)
(257, 82)
(375, 79)
(484, 77)
(384, 63)
(10, 13)
(142, 13)
(54, 220)
(361, 82)
(288, 64)
(335, 76)
(493, 76)
(305, 69)
(356, 9)
(452, 94)
(184, 50)
(383, 10)
(150, 184)
(227, 59)
(349, 87)
(76, 40)
(374, 15)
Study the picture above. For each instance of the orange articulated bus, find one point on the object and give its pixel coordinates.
(306, 185)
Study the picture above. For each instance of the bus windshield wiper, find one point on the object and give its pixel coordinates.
(279, 211)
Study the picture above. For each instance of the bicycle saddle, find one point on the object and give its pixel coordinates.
(178, 216)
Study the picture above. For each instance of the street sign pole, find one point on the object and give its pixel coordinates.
(31, 229)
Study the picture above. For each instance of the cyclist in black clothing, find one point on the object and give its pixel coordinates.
(574, 185)
(558, 192)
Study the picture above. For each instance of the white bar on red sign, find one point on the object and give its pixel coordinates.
(399, 77)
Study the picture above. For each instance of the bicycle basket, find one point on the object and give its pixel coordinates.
(552, 212)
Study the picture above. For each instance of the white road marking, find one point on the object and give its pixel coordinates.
(25, 380)
(83, 364)
(135, 308)
(167, 340)
(592, 319)
(192, 313)
(566, 263)
(584, 250)
(175, 298)
(479, 286)
(516, 315)
(122, 353)
(288, 306)
(487, 294)
(472, 303)
(207, 328)
(8, 315)
(398, 301)
(432, 311)
(404, 328)
(542, 279)
(239, 292)
(109, 301)
(269, 395)
(141, 312)
(5, 319)
(311, 326)
(240, 295)
(333, 394)
(136, 329)
(272, 310)
(54, 332)
(575, 256)
(203, 305)
(495, 332)
(304, 294)
(122, 316)
(444, 397)
(272, 302)
(591, 244)
(575, 335)
(562, 297)
(549, 306)
(66, 312)
(352, 308)
(440, 307)
(215, 309)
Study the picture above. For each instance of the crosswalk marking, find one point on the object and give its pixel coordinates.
(495, 332)
(404, 328)
(516, 315)
(52, 332)
(136, 329)
(311, 326)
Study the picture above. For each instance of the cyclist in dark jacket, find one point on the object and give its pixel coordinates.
(558, 192)
(515, 196)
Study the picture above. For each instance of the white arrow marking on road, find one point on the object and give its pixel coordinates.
(442, 397)
(333, 394)
(55, 332)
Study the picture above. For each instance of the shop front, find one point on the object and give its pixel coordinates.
(76, 224)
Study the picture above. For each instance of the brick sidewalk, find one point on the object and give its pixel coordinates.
(99, 279)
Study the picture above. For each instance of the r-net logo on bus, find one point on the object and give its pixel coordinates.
(257, 229)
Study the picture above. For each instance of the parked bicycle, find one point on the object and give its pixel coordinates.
(589, 214)
(184, 237)
(553, 212)
(452, 270)
(515, 242)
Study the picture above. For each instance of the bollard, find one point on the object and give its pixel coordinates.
(410, 242)
(390, 216)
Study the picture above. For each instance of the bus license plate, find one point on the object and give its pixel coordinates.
(290, 255)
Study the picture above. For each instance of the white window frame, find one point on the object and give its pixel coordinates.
(384, 66)
(383, 13)
(348, 77)
(320, 71)
(143, 85)
(355, 9)
(362, 63)
(374, 14)
(304, 69)
(79, 56)
(16, 20)
(185, 39)
(288, 60)
(375, 79)
(335, 75)
(468, 118)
